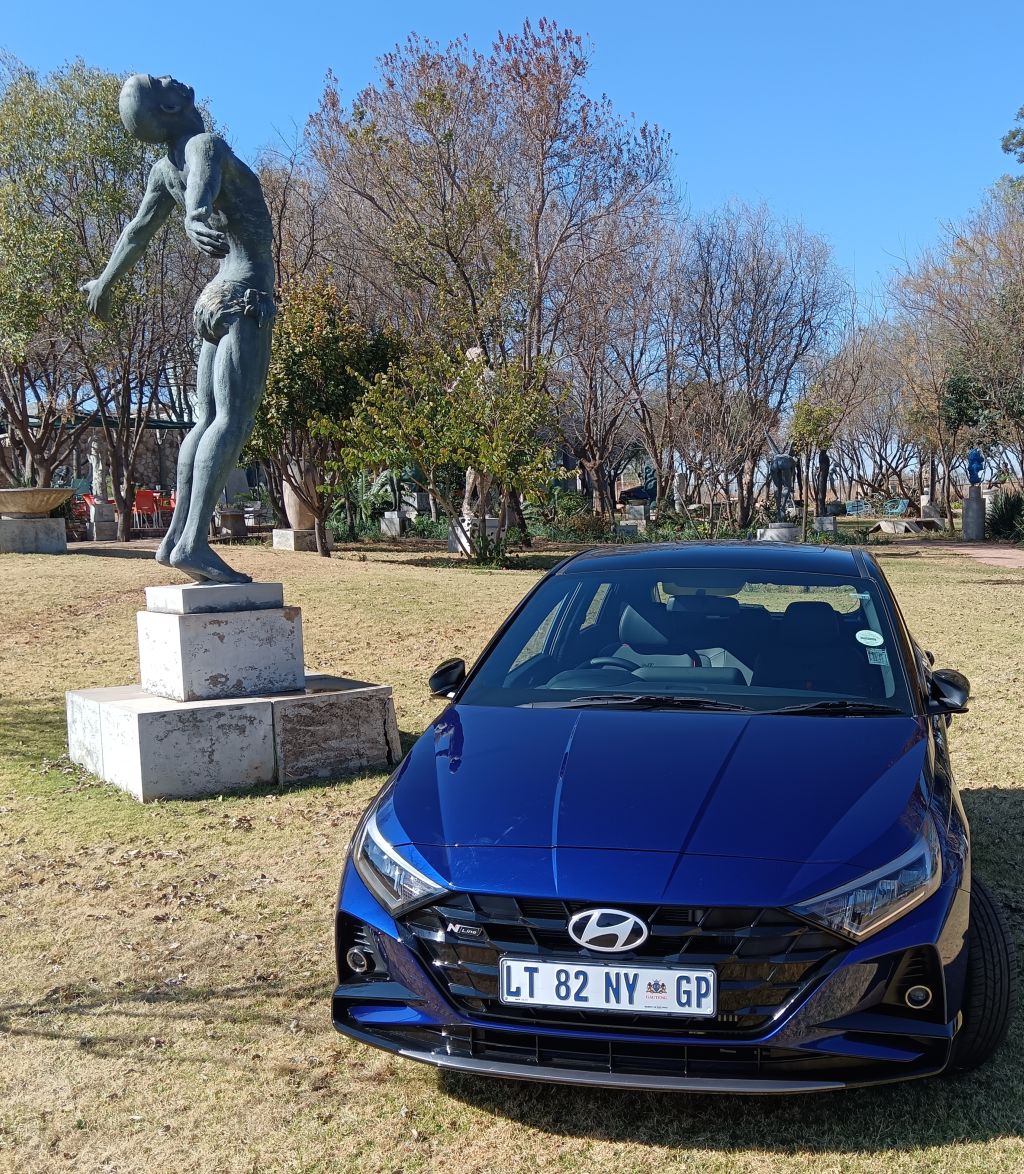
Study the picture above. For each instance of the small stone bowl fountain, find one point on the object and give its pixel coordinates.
(25, 523)
(31, 503)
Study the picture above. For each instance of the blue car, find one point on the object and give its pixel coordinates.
(688, 823)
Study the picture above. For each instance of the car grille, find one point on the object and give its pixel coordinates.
(764, 958)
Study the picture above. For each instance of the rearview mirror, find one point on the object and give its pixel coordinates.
(447, 677)
(950, 692)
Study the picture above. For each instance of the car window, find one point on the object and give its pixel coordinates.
(756, 638)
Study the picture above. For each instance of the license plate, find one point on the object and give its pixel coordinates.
(659, 990)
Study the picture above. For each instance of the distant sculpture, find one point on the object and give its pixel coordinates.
(782, 469)
(226, 218)
(478, 483)
(975, 465)
(98, 464)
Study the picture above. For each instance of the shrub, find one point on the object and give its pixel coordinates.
(424, 526)
(1005, 521)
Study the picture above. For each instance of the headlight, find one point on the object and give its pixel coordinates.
(865, 906)
(392, 880)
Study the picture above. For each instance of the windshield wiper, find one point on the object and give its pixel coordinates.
(642, 701)
(834, 708)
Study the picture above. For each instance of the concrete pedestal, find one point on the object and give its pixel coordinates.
(225, 704)
(414, 503)
(392, 524)
(231, 523)
(24, 535)
(457, 542)
(213, 655)
(102, 523)
(304, 540)
(974, 515)
(779, 532)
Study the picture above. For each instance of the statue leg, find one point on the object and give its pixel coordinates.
(239, 374)
(187, 452)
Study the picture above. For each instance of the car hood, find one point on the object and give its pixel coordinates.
(551, 799)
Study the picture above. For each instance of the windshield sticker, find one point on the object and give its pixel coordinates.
(877, 656)
(870, 639)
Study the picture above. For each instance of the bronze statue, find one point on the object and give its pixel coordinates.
(226, 218)
(783, 470)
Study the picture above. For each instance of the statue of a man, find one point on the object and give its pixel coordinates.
(226, 218)
(783, 470)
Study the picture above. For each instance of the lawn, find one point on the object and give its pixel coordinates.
(164, 994)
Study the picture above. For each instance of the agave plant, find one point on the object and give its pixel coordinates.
(1005, 520)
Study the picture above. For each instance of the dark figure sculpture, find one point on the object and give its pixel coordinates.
(226, 217)
(975, 465)
(782, 469)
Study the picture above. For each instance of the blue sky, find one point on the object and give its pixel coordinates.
(871, 122)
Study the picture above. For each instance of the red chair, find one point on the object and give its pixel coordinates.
(145, 509)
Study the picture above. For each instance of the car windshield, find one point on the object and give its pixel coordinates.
(699, 638)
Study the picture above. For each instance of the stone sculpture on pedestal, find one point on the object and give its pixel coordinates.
(224, 701)
(226, 218)
(974, 504)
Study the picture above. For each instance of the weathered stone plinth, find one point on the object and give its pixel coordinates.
(779, 532)
(32, 536)
(458, 542)
(303, 540)
(225, 704)
(205, 656)
(392, 524)
(974, 515)
(102, 523)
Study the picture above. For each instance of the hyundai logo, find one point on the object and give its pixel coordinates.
(607, 930)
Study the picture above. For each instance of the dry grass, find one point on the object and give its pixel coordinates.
(164, 993)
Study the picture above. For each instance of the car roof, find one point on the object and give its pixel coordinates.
(759, 556)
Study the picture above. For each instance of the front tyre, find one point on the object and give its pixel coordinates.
(990, 991)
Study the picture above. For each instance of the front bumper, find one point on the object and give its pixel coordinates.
(843, 1029)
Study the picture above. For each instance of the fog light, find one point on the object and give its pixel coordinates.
(918, 997)
(360, 963)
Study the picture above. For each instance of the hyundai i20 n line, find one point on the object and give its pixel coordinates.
(688, 823)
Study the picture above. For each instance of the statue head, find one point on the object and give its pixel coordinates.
(158, 109)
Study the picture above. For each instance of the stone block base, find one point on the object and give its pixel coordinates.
(102, 523)
(974, 515)
(304, 540)
(779, 532)
(33, 536)
(214, 655)
(159, 749)
(457, 538)
(392, 524)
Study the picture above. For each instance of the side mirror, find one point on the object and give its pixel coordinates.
(447, 677)
(950, 692)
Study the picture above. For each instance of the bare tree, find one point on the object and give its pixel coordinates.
(763, 298)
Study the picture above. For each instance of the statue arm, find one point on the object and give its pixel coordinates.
(204, 155)
(156, 206)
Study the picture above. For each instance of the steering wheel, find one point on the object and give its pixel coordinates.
(619, 662)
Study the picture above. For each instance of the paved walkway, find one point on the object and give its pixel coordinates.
(992, 553)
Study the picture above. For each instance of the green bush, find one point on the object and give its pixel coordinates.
(424, 526)
(1005, 522)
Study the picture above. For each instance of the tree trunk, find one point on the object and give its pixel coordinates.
(320, 530)
(516, 506)
(821, 482)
